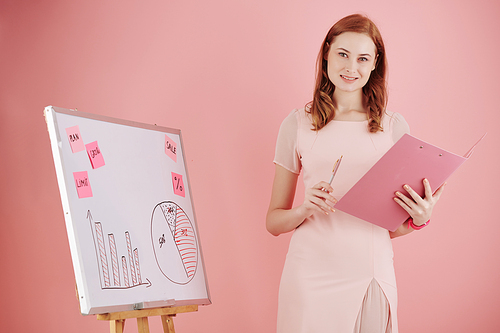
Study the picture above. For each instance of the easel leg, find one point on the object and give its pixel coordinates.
(168, 324)
(117, 326)
(143, 325)
(117, 319)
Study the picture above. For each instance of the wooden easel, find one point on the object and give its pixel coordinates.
(117, 319)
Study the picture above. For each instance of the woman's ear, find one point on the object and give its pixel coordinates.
(375, 62)
(327, 51)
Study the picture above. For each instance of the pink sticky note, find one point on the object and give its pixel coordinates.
(171, 148)
(82, 184)
(75, 139)
(178, 184)
(95, 155)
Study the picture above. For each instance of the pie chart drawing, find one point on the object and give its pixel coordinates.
(174, 242)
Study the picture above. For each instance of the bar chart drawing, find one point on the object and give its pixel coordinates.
(109, 261)
(174, 242)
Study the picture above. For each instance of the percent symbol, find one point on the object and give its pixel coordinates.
(178, 184)
(178, 187)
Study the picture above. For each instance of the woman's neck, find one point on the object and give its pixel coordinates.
(349, 105)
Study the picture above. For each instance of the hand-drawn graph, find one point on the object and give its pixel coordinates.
(130, 270)
(174, 242)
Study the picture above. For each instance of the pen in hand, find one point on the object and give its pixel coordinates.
(335, 168)
(334, 172)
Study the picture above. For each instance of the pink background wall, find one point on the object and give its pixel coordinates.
(226, 73)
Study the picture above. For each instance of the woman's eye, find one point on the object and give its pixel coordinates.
(363, 59)
(343, 55)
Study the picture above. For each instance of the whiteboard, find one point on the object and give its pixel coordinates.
(129, 213)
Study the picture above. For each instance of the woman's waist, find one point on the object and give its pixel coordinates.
(341, 233)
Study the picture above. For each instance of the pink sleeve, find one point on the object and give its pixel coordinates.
(287, 154)
(399, 127)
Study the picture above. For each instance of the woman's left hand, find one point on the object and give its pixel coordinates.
(420, 209)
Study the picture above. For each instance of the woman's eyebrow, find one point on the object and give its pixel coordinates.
(342, 49)
(347, 51)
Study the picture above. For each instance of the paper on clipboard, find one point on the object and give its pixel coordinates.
(409, 161)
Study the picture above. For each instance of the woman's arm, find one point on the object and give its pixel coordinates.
(420, 209)
(401, 231)
(281, 217)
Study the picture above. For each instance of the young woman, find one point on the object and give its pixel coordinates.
(338, 274)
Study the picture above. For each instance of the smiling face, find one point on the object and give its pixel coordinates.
(351, 59)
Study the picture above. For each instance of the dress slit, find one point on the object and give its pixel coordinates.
(375, 313)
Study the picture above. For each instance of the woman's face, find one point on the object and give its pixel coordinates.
(351, 59)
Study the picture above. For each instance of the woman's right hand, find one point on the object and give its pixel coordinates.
(319, 199)
(281, 217)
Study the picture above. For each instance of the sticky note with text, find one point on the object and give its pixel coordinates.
(171, 148)
(178, 184)
(95, 154)
(82, 184)
(75, 139)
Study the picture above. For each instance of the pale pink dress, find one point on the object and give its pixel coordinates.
(336, 263)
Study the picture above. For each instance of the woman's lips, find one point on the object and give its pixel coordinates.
(349, 79)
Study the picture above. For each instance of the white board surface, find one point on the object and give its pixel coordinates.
(129, 212)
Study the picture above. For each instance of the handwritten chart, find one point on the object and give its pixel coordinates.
(129, 216)
(174, 242)
(113, 276)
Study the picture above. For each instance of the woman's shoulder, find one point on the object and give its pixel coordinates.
(299, 113)
(296, 117)
(394, 116)
(394, 119)
(396, 124)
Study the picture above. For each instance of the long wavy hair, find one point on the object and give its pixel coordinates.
(322, 107)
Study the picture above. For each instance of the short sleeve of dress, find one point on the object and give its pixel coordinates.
(399, 127)
(286, 154)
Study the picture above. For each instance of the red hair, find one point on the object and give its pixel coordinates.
(322, 107)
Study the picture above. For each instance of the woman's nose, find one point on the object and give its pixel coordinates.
(351, 66)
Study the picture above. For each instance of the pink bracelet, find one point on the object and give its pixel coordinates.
(416, 227)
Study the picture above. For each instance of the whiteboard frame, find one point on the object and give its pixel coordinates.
(50, 113)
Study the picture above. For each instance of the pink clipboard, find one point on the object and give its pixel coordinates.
(409, 161)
